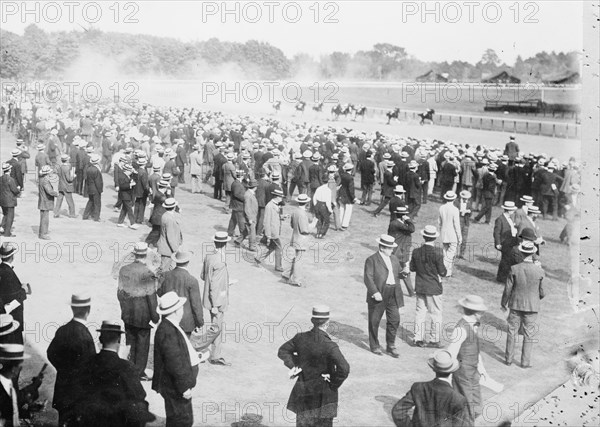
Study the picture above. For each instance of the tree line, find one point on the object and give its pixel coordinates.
(38, 54)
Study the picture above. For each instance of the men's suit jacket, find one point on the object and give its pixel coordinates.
(449, 223)
(376, 274)
(316, 354)
(170, 234)
(250, 206)
(65, 178)
(346, 192)
(216, 282)
(402, 231)
(502, 232)
(523, 290)
(428, 263)
(136, 293)
(180, 281)
(11, 289)
(237, 196)
(388, 184)
(413, 185)
(511, 149)
(69, 352)
(46, 194)
(142, 187)
(16, 171)
(94, 180)
(124, 183)
(436, 404)
(173, 372)
(8, 191)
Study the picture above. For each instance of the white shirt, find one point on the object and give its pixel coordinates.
(513, 229)
(388, 263)
(193, 355)
(323, 194)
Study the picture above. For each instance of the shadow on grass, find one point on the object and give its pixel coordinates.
(351, 334)
(478, 273)
(388, 404)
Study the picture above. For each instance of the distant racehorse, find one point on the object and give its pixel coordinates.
(300, 106)
(393, 114)
(318, 107)
(277, 106)
(359, 110)
(340, 110)
(427, 115)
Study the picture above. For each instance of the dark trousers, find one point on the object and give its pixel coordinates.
(119, 201)
(384, 201)
(126, 209)
(551, 199)
(69, 197)
(389, 306)
(260, 221)
(218, 190)
(521, 321)
(139, 209)
(292, 187)
(8, 216)
(485, 210)
(310, 421)
(178, 410)
(139, 340)
(106, 163)
(323, 215)
(181, 177)
(446, 186)
(237, 218)
(274, 246)
(92, 208)
(414, 205)
(424, 191)
(464, 231)
(367, 194)
(44, 223)
(78, 182)
(154, 235)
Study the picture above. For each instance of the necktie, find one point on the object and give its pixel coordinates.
(15, 406)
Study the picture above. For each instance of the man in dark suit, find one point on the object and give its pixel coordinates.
(12, 291)
(505, 237)
(113, 394)
(435, 402)
(262, 187)
(236, 204)
(95, 186)
(65, 187)
(427, 262)
(175, 363)
(550, 183)
(141, 191)
(384, 295)
(321, 369)
(137, 296)
(401, 230)
(522, 294)
(180, 281)
(413, 189)
(511, 149)
(9, 190)
(15, 171)
(126, 184)
(488, 191)
(219, 160)
(387, 187)
(69, 352)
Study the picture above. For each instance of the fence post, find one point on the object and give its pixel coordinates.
(527, 128)
(540, 131)
(553, 129)
(515, 126)
(470, 122)
(480, 123)
(502, 125)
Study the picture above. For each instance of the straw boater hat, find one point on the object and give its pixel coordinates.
(221, 237)
(533, 210)
(45, 170)
(387, 240)
(348, 166)
(140, 248)
(302, 199)
(401, 209)
(6, 167)
(181, 257)
(277, 193)
(465, 194)
(252, 183)
(450, 195)
(443, 362)
(307, 154)
(81, 300)
(473, 302)
(8, 249)
(399, 189)
(331, 168)
(430, 231)
(12, 352)
(527, 247)
(15, 153)
(320, 312)
(164, 183)
(111, 326)
(527, 199)
(170, 303)
(169, 203)
(509, 206)
(8, 324)
(94, 159)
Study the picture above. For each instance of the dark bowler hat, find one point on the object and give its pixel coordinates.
(528, 234)
(111, 326)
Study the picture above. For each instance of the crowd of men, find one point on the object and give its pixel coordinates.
(267, 172)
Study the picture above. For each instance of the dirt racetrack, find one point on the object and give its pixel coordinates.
(264, 312)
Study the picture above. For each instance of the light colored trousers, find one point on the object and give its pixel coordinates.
(196, 186)
(345, 214)
(449, 251)
(432, 305)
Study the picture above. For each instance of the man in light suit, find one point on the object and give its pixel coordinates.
(450, 234)
(216, 290)
(69, 352)
(170, 234)
(180, 281)
(384, 294)
(505, 237)
(175, 363)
